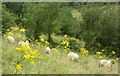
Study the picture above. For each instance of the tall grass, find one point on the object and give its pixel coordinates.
(57, 63)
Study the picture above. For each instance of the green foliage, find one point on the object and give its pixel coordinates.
(8, 20)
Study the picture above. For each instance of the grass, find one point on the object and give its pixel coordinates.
(56, 64)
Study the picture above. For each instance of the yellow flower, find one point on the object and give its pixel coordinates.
(10, 34)
(72, 38)
(22, 30)
(116, 58)
(46, 42)
(98, 53)
(16, 28)
(8, 29)
(42, 39)
(32, 62)
(27, 56)
(101, 57)
(18, 49)
(40, 36)
(113, 52)
(32, 57)
(17, 35)
(102, 50)
(65, 35)
(38, 43)
(18, 66)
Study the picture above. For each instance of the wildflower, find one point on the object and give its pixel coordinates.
(101, 57)
(42, 39)
(113, 52)
(65, 35)
(15, 28)
(38, 43)
(17, 35)
(22, 30)
(46, 42)
(18, 49)
(40, 36)
(116, 58)
(8, 29)
(102, 50)
(18, 66)
(32, 57)
(98, 53)
(32, 62)
(72, 38)
(27, 56)
(10, 34)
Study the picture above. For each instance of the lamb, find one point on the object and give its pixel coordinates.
(106, 63)
(73, 56)
(10, 39)
(48, 50)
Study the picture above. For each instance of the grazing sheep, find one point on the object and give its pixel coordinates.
(73, 56)
(48, 50)
(10, 39)
(22, 42)
(106, 63)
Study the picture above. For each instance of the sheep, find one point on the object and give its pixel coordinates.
(73, 56)
(48, 50)
(10, 39)
(106, 63)
(22, 42)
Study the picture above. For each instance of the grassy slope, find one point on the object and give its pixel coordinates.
(56, 64)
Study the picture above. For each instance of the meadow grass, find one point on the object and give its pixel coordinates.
(57, 63)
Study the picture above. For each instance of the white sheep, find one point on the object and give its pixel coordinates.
(22, 42)
(10, 39)
(47, 49)
(106, 63)
(73, 56)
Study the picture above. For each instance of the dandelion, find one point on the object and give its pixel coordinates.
(46, 42)
(101, 57)
(10, 34)
(18, 66)
(72, 38)
(65, 35)
(98, 53)
(42, 39)
(18, 49)
(8, 29)
(113, 52)
(32, 57)
(22, 30)
(102, 50)
(15, 28)
(17, 35)
(116, 58)
(32, 62)
(27, 56)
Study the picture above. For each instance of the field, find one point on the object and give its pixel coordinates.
(53, 63)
